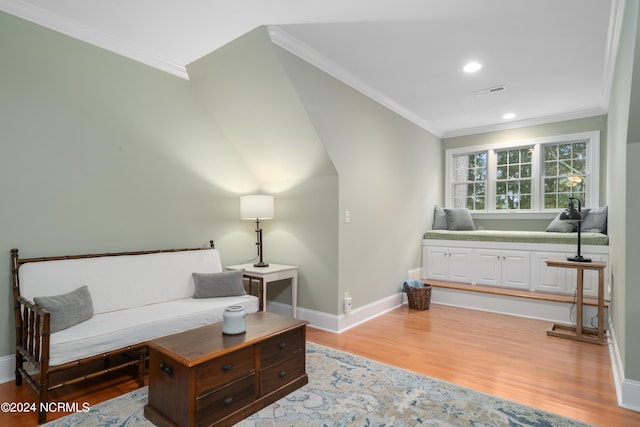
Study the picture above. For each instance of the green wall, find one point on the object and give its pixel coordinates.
(618, 119)
(624, 115)
(632, 283)
(100, 153)
(389, 181)
(245, 88)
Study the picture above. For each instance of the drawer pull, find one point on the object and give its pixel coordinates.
(228, 401)
(282, 346)
(282, 374)
(227, 367)
(166, 369)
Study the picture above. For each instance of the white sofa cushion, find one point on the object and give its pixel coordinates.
(121, 282)
(117, 329)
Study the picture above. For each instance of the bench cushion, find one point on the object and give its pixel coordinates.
(596, 239)
(113, 330)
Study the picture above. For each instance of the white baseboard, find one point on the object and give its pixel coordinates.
(339, 323)
(628, 391)
(7, 368)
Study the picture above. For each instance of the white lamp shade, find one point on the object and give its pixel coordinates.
(256, 207)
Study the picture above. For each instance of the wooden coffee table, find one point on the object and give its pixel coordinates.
(202, 377)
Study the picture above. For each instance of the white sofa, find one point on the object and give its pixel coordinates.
(135, 297)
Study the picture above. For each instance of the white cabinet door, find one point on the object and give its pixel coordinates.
(549, 279)
(449, 264)
(460, 265)
(437, 263)
(515, 269)
(509, 269)
(486, 267)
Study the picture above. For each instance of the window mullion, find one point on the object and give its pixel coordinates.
(492, 164)
(536, 178)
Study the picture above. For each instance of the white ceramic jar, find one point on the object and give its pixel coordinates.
(233, 320)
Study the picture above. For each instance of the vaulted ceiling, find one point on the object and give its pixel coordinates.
(543, 60)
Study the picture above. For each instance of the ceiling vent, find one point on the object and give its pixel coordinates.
(491, 90)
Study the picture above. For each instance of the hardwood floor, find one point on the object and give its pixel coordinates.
(506, 356)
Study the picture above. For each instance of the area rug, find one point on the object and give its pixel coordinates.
(348, 390)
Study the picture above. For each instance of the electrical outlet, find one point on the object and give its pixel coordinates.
(347, 303)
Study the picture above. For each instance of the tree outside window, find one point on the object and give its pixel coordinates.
(470, 182)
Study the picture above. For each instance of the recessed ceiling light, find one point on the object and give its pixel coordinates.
(472, 67)
(509, 116)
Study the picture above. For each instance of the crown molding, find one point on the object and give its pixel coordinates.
(81, 32)
(281, 38)
(525, 123)
(611, 49)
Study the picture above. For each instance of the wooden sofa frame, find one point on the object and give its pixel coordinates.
(33, 332)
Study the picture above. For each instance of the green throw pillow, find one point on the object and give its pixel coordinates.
(224, 284)
(557, 226)
(594, 220)
(68, 309)
(439, 219)
(459, 219)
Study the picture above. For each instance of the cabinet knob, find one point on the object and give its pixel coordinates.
(228, 401)
(227, 367)
(282, 346)
(282, 374)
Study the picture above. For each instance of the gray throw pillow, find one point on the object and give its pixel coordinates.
(68, 309)
(459, 219)
(594, 220)
(439, 219)
(224, 284)
(558, 226)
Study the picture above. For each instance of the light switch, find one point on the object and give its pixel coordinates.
(347, 217)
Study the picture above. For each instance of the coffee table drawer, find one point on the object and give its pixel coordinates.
(224, 369)
(223, 401)
(281, 373)
(281, 346)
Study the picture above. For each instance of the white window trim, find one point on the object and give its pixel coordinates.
(537, 211)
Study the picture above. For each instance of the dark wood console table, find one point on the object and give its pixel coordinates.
(202, 377)
(581, 332)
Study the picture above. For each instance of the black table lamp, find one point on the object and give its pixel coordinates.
(257, 207)
(573, 215)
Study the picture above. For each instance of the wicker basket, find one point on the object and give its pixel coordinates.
(419, 298)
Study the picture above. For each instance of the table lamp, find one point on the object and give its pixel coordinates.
(257, 207)
(573, 215)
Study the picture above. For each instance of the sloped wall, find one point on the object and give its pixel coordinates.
(246, 91)
(389, 180)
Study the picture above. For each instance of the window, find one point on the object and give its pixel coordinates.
(513, 178)
(565, 173)
(524, 176)
(470, 182)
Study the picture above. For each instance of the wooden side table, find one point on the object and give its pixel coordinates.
(580, 332)
(272, 273)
